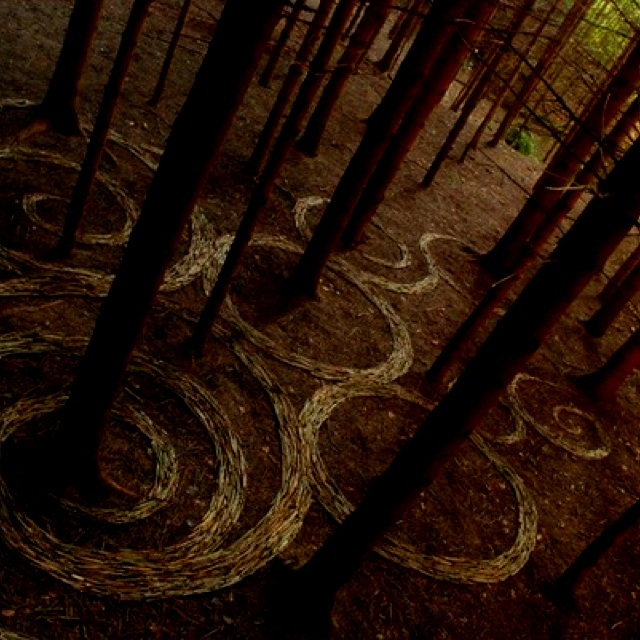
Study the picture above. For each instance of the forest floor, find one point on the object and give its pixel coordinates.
(256, 451)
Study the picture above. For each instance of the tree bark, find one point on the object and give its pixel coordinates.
(516, 338)
(193, 145)
(563, 167)
(441, 75)
(371, 23)
(112, 92)
(59, 107)
(168, 59)
(289, 87)
(382, 126)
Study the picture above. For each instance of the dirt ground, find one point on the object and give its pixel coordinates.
(259, 449)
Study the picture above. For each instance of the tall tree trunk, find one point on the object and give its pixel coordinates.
(403, 32)
(371, 23)
(473, 99)
(289, 87)
(625, 269)
(108, 105)
(508, 81)
(381, 127)
(516, 338)
(565, 31)
(168, 58)
(59, 108)
(441, 75)
(262, 192)
(193, 146)
(283, 39)
(564, 165)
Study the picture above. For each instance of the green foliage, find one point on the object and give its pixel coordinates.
(522, 140)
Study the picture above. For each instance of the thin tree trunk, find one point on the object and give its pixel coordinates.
(474, 98)
(381, 127)
(355, 20)
(604, 384)
(625, 269)
(260, 196)
(283, 39)
(517, 337)
(59, 107)
(404, 30)
(563, 166)
(441, 75)
(602, 319)
(289, 87)
(567, 583)
(565, 31)
(506, 87)
(168, 59)
(193, 146)
(371, 23)
(112, 92)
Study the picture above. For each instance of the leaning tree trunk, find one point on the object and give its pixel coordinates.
(562, 168)
(168, 58)
(575, 261)
(605, 383)
(368, 27)
(402, 34)
(381, 127)
(565, 31)
(441, 75)
(100, 132)
(262, 192)
(283, 39)
(193, 145)
(625, 269)
(59, 108)
(290, 85)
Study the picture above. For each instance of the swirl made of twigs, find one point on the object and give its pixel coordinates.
(454, 569)
(563, 436)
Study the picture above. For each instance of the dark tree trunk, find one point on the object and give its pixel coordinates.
(108, 106)
(577, 258)
(605, 383)
(283, 39)
(371, 23)
(507, 83)
(405, 28)
(614, 533)
(289, 87)
(565, 31)
(59, 106)
(168, 59)
(382, 126)
(282, 148)
(563, 167)
(193, 145)
(625, 269)
(441, 75)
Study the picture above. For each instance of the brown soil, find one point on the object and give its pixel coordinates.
(342, 371)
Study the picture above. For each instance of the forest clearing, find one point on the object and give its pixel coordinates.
(318, 320)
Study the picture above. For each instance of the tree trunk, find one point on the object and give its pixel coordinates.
(371, 23)
(507, 82)
(625, 269)
(441, 75)
(382, 126)
(403, 32)
(577, 258)
(112, 92)
(283, 39)
(563, 167)
(193, 145)
(168, 59)
(59, 106)
(605, 383)
(565, 31)
(289, 86)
